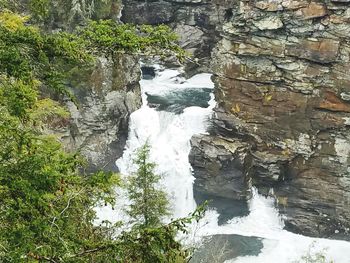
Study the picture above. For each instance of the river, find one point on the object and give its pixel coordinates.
(173, 110)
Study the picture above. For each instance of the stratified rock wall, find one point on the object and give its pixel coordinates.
(219, 166)
(283, 84)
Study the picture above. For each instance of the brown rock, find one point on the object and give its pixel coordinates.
(283, 90)
(261, 46)
(323, 120)
(313, 10)
(340, 76)
(333, 103)
(336, 19)
(322, 50)
(270, 6)
(292, 5)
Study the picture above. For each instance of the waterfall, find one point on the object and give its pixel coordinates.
(169, 134)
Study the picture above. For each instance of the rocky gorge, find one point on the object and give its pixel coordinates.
(281, 124)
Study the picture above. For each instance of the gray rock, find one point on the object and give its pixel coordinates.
(218, 166)
(220, 248)
(196, 22)
(107, 95)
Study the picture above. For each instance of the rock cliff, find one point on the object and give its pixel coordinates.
(281, 69)
(282, 86)
(107, 93)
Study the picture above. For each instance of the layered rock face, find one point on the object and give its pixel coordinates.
(106, 94)
(283, 86)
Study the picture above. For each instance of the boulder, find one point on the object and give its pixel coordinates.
(218, 166)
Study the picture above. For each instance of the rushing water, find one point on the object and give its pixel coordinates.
(179, 109)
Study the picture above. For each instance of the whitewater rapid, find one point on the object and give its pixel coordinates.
(169, 136)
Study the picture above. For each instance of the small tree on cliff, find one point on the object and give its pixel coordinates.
(150, 240)
(149, 204)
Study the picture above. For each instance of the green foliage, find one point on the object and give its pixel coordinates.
(34, 58)
(10, 5)
(111, 38)
(148, 203)
(156, 245)
(47, 207)
(39, 9)
(17, 97)
(48, 112)
(28, 54)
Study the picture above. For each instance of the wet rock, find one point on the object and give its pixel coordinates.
(220, 248)
(267, 169)
(148, 72)
(218, 166)
(311, 192)
(227, 208)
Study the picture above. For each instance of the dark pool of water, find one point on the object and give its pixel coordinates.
(177, 100)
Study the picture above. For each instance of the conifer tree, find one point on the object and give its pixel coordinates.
(149, 204)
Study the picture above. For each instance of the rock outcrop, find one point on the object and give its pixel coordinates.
(195, 21)
(106, 94)
(222, 248)
(219, 166)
